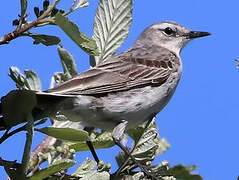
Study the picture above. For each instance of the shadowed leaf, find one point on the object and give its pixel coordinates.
(16, 106)
(47, 40)
(23, 9)
(52, 169)
(68, 62)
(183, 172)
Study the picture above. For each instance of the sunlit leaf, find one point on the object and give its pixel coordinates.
(112, 21)
(18, 78)
(101, 141)
(66, 134)
(84, 42)
(88, 170)
(145, 148)
(33, 80)
(146, 144)
(79, 4)
(30, 81)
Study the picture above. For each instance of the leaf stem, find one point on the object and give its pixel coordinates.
(27, 149)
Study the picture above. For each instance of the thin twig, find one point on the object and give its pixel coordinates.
(6, 135)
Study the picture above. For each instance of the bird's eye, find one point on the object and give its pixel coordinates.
(168, 31)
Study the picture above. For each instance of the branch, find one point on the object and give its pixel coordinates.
(18, 32)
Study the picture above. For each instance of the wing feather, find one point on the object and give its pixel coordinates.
(119, 74)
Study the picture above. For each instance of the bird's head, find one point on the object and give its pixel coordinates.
(169, 35)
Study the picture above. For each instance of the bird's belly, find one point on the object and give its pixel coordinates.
(135, 106)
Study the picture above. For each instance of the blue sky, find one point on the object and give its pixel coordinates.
(200, 122)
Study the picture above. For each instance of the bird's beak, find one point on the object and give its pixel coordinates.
(196, 34)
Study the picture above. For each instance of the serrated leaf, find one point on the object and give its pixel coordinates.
(33, 81)
(47, 40)
(112, 21)
(84, 42)
(101, 141)
(146, 146)
(68, 62)
(65, 134)
(182, 172)
(87, 170)
(54, 168)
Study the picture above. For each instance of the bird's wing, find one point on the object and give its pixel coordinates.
(119, 74)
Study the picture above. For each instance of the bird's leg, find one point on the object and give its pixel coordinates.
(90, 145)
(117, 135)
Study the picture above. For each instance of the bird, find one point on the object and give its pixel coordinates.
(128, 88)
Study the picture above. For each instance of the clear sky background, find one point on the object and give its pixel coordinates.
(200, 122)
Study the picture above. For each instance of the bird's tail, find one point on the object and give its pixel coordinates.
(17, 104)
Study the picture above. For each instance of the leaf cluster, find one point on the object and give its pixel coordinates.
(111, 26)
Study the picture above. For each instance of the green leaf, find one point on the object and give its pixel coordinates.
(65, 134)
(29, 82)
(84, 42)
(47, 40)
(18, 78)
(33, 81)
(23, 7)
(87, 170)
(23, 11)
(54, 168)
(181, 172)
(16, 106)
(68, 62)
(112, 21)
(81, 4)
(58, 78)
(146, 144)
(100, 141)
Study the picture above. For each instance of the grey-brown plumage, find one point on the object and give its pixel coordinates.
(132, 86)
